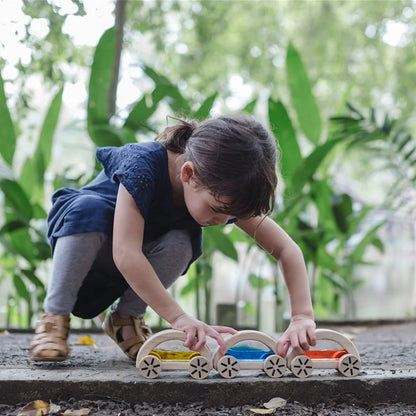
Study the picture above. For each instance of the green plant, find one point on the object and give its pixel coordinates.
(320, 219)
(22, 234)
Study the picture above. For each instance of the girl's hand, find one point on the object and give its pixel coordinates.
(197, 332)
(299, 335)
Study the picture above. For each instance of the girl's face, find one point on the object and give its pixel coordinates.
(204, 208)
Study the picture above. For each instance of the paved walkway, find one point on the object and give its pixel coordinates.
(94, 372)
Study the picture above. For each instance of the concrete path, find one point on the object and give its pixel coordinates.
(102, 371)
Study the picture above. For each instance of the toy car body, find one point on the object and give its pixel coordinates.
(229, 364)
(151, 362)
(346, 360)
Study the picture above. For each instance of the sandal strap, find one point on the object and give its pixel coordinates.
(51, 323)
(114, 322)
(50, 340)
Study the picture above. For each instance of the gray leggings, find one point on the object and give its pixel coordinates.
(85, 280)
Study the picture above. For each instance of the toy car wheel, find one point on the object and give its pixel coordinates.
(301, 366)
(349, 365)
(150, 366)
(199, 367)
(275, 366)
(228, 366)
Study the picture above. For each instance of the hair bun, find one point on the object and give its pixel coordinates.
(174, 138)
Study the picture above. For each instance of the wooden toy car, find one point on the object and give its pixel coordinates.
(247, 358)
(151, 361)
(346, 360)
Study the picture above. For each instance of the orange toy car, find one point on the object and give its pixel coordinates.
(346, 360)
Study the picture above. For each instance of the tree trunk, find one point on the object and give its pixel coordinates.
(120, 18)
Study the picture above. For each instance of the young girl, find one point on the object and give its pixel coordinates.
(136, 228)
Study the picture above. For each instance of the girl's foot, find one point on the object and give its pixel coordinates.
(50, 340)
(127, 332)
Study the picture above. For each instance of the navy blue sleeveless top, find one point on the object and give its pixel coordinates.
(142, 168)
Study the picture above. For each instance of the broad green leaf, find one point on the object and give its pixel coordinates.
(326, 261)
(22, 244)
(143, 109)
(303, 99)
(258, 282)
(342, 210)
(49, 127)
(217, 240)
(204, 110)
(175, 99)
(355, 220)
(12, 226)
(33, 278)
(321, 194)
(43, 250)
(32, 176)
(249, 108)
(16, 198)
(376, 242)
(365, 241)
(311, 163)
(7, 133)
(337, 281)
(108, 135)
(100, 82)
(286, 139)
(249, 309)
(21, 287)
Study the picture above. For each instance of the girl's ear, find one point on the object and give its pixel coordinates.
(187, 172)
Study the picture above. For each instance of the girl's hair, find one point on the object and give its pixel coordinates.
(233, 156)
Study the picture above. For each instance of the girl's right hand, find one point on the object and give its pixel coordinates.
(197, 332)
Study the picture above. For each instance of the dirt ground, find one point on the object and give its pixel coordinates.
(119, 408)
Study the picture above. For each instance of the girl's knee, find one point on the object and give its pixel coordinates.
(178, 244)
(174, 246)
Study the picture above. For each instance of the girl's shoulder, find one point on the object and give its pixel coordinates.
(131, 151)
(145, 156)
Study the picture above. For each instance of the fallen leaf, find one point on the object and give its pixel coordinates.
(262, 411)
(275, 403)
(86, 341)
(38, 408)
(79, 412)
(4, 332)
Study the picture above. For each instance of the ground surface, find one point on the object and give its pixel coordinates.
(119, 408)
(387, 354)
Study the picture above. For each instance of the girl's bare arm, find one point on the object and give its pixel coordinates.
(269, 235)
(129, 258)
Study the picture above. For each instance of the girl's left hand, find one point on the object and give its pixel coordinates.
(299, 335)
(197, 331)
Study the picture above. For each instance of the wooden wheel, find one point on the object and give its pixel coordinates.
(275, 366)
(301, 366)
(349, 365)
(150, 366)
(199, 367)
(228, 366)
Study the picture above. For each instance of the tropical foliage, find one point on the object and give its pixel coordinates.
(327, 223)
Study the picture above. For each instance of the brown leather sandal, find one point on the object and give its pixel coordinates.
(50, 340)
(112, 325)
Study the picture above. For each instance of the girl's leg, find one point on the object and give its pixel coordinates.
(169, 256)
(73, 257)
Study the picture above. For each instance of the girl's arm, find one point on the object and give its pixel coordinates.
(133, 265)
(301, 331)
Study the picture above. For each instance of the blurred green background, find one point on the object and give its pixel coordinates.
(334, 81)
